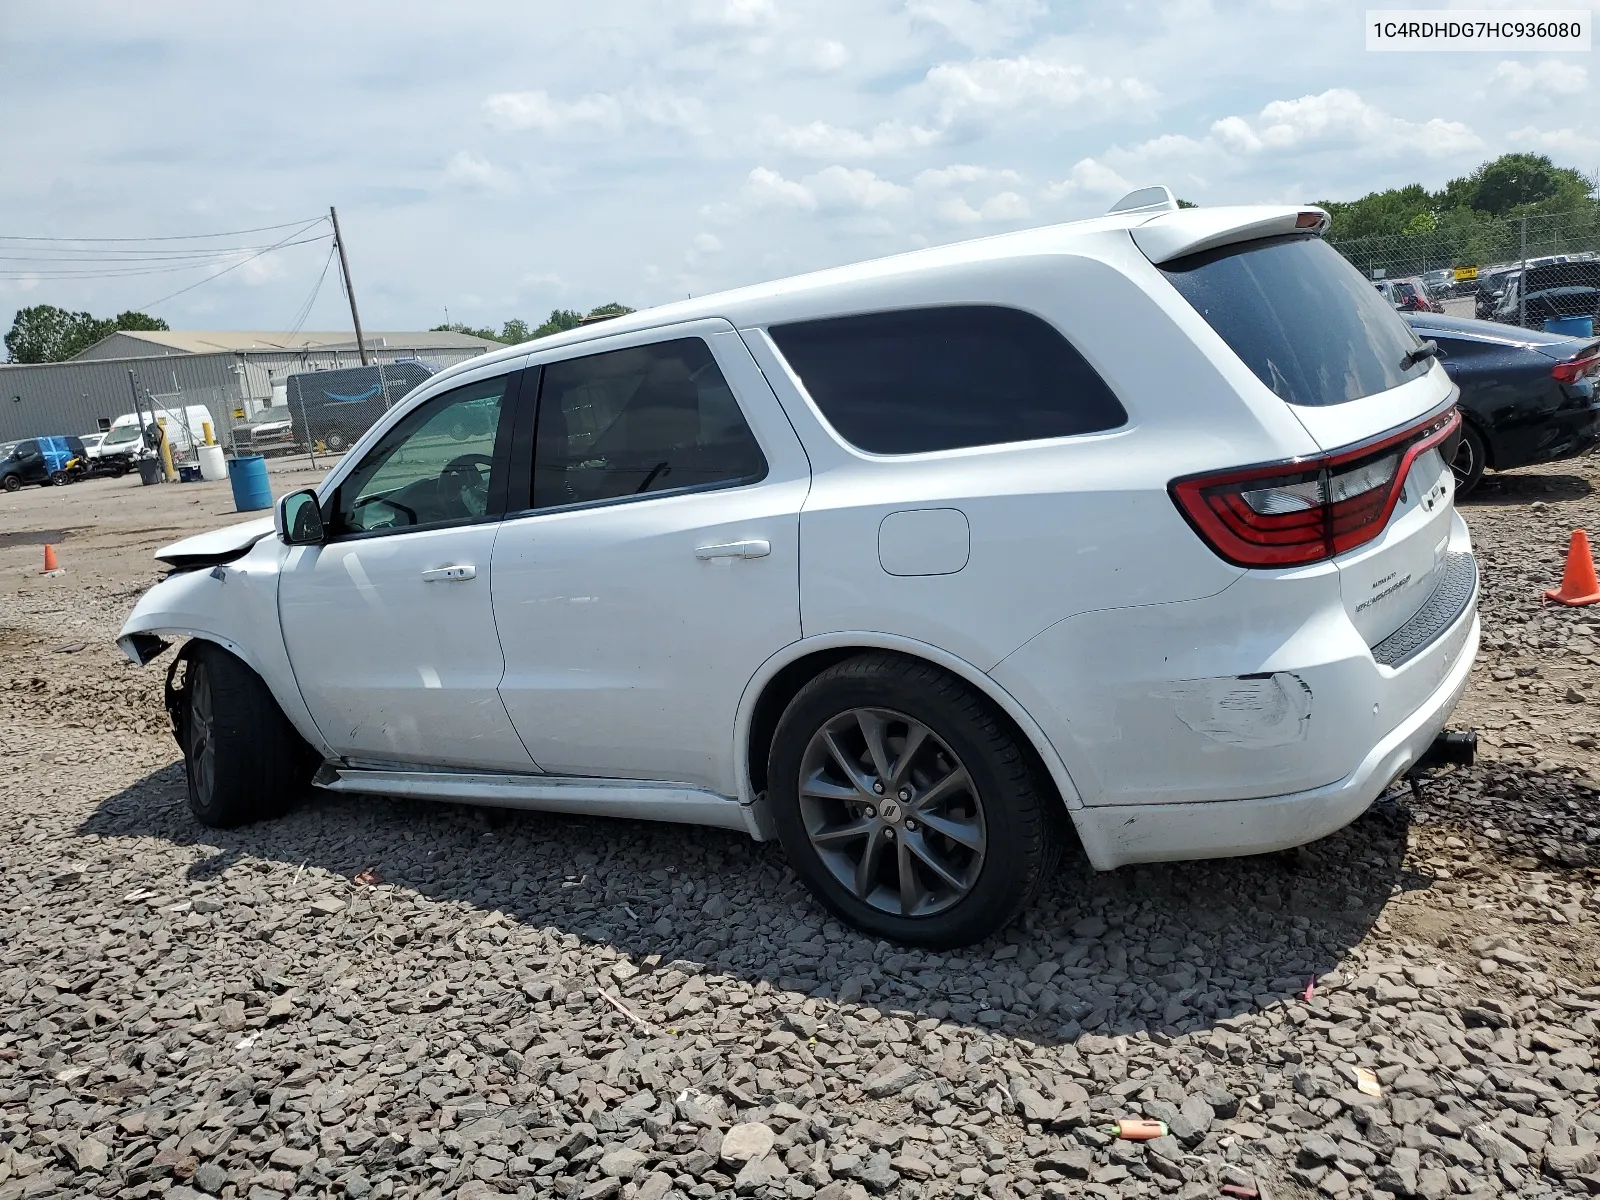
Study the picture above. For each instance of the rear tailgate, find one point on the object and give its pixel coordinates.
(1317, 334)
(1387, 580)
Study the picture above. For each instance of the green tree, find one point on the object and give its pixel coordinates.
(515, 331)
(1516, 181)
(561, 320)
(139, 320)
(462, 327)
(612, 309)
(45, 333)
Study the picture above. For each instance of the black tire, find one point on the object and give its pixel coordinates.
(335, 441)
(119, 469)
(1470, 460)
(256, 763)
(1007, 805)
(11, 483)
(59, 479)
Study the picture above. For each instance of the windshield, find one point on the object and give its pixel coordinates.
(1300, 317)
(122, 433)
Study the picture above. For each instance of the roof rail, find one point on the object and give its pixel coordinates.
(1146, 200)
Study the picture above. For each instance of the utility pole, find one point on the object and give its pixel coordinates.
(344, 267)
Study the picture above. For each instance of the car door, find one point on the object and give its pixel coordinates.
(389, 625)
(656, 564)
(30, 461)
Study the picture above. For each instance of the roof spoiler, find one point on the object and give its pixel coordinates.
(1171, 235)
(1146, 200)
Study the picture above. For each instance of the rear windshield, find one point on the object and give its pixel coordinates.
(1300, 317)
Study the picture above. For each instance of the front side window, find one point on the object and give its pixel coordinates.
(654, 418)
(944, 378)
(436, 466)
(1301, 318)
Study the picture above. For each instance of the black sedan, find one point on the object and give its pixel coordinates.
(1527, 396)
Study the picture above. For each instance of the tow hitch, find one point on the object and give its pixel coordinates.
(1452, 748)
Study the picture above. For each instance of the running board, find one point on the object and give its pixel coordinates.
(641, 800)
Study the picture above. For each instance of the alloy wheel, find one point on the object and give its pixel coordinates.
(202, 735)
(892, 812)
(1465, 465)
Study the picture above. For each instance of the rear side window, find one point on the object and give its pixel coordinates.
(1300, 317)
(944, 378)
(656, 418)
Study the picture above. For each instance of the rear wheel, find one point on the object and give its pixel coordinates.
(335, 441)
(906, 804)
(244, 761)
(1470, 460)
(59, 479)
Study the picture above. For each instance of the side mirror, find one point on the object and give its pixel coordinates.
(299, 519)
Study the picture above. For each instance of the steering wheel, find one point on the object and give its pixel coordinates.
(464, 484)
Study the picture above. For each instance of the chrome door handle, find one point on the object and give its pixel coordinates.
(450, 574)
(754, 548)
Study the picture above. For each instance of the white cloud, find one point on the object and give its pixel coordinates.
(826, 56)
(962, 174)
(1552, 77)
(765, 188)
(469, 170)
(1339, 117)
(833, 189)
(1569, 142)
(1090, 178)
(538, 110)
(734, 14)
(999, 85)
(840, 188)
(821, 140)
(707, 243)
(979, 24)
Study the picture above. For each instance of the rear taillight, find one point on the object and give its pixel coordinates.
(1577, 368)
(1293, 513)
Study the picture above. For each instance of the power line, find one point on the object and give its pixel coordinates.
(178, 237)
(304, 311)
(118, 269)
(234, 267)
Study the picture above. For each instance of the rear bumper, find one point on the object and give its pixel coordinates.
(1116, 835)
(1251, 720)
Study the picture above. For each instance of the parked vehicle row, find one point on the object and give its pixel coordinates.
(42, 460)
(914, 565)
(1527, 396)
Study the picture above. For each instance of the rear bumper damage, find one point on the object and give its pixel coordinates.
(1116, 835)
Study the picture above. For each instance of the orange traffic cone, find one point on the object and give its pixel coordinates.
(51, 567)
(1578, 583)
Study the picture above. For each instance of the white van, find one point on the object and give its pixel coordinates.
(185, 430)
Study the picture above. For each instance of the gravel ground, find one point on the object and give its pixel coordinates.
(377, 999)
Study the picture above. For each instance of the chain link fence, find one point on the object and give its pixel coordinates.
(320, 414)
(1519, 271)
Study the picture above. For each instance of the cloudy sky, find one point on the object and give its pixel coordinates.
(501, 159)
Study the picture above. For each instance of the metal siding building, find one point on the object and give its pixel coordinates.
(225, 371)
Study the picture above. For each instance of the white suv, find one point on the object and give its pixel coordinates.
(1143, 522)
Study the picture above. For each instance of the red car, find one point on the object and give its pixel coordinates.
(1408, 295)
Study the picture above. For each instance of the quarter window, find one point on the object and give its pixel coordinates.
(436, 466)
(944, 378)
(647, 419)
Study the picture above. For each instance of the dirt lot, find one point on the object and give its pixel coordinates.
(398, 999)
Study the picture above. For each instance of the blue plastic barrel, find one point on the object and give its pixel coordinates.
(1582, 327)
(248, 475)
